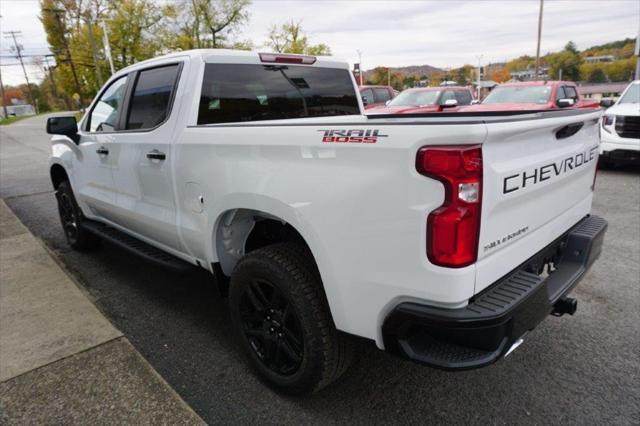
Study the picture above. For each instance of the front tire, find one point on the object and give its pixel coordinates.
(279, 311)
(71, 218)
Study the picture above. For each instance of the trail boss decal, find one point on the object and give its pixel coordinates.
(351, 135)
(540, 174)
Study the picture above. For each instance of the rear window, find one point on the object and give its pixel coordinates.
(244, 92)
(519, 95)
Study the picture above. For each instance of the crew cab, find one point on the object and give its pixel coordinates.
(620, 136)
(426, 99)
(444, 238)
(374, 96)
(533, 96)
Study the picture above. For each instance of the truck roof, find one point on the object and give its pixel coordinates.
(539, 83)
(231, 56)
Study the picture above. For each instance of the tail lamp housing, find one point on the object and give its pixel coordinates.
(453, 229)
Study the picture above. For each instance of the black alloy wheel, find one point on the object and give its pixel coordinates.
(271, 327)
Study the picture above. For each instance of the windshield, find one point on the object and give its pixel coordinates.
(415, 98)
(632, 95)
(519, 95)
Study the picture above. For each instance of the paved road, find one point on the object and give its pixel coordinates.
(583, 369)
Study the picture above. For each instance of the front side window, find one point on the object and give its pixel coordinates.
(447, 96)
(519, 95)
(367, 96)
(248, 92)
(105, 113)
(151, 99)
(570, 92)
(560, 94)
(463, 97)
(382, 95)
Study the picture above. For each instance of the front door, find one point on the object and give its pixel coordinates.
(142, 157)
(92, 176)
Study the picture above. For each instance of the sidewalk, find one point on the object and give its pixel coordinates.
(61, 360)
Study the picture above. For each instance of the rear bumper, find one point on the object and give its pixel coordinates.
(483, 331)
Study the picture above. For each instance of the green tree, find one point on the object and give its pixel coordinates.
(597, 75)
(290, 38)
(568, 61)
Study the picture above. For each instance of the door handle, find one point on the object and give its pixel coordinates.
(102, 151)
(156, 155)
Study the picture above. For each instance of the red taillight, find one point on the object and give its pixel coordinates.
(282, 58)
(453, 228)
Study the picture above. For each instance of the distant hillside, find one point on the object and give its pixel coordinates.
(609, 47)
(417, 70)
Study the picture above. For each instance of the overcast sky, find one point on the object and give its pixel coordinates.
(395, 33)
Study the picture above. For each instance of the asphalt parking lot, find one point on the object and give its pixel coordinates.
(572, 370)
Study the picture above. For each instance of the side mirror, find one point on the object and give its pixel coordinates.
(364, 101)
(66, 126)
(449, 103)
(606, 103)
(475, 102)
(566, 102)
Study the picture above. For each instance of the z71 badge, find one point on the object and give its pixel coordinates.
(351, 135)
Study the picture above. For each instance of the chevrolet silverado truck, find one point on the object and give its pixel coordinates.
(620, 136)
(444, 238)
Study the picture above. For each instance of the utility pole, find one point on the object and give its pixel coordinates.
(360, 62)
(18, 48)
(4, 106)
(539, 37)
(107, 47)
(57, 13)
(388, 76)
(94, 50)
(637, 53)
(479, 76)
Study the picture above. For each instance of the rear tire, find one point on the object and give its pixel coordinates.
(71, 218)
(280, 313)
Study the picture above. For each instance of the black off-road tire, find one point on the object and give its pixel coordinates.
(289, 268)
(71, 218)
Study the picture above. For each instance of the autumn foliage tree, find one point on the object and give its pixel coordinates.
(290, 38)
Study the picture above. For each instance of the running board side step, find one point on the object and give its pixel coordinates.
(133, 245)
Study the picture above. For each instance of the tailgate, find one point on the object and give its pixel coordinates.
(538, 177)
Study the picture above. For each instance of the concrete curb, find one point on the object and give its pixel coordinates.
(61, 359)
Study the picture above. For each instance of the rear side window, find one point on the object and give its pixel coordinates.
(382, 95)
(247, 92)
(151, 99)
(463, 97)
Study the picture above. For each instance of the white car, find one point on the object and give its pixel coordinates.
(620, 136)
(442, 237)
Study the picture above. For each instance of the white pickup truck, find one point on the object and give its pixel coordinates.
(442, 237)
(620, 137)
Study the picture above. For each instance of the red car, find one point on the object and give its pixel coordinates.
(533, 95)
(426, 99)
(374, 96)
